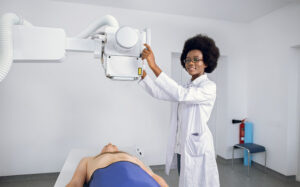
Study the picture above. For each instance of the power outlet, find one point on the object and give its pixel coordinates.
(139, 152)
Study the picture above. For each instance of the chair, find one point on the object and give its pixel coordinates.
(250, 148)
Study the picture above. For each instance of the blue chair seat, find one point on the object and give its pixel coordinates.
(252, 147)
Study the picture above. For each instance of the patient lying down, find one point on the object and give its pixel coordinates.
(114, 168)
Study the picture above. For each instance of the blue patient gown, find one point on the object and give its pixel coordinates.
(122, 174)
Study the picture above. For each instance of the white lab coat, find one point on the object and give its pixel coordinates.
(198, 163)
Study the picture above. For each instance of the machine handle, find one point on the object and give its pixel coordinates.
(148, 35)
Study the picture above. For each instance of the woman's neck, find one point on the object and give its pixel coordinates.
(196, 76)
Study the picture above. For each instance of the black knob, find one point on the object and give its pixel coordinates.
(236, 121)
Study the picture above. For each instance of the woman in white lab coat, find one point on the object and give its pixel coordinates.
(190, 138)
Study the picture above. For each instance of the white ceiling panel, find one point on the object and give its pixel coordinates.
(230, 10)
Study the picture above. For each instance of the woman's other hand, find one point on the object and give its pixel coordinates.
(144, 74)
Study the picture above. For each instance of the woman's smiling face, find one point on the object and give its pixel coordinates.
(194, 64)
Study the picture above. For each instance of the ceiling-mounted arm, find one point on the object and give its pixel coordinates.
(107, 20)
(6, 41)
(118, 48)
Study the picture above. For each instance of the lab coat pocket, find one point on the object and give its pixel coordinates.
(196, 144)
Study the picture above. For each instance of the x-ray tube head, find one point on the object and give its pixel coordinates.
(121, 55)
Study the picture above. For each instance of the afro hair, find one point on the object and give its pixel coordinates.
(208, 48)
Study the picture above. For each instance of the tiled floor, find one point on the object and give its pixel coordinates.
(38, 180)
(238, 177)
(228, 178)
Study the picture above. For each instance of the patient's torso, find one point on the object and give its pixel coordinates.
(121, 174)
(104, 160)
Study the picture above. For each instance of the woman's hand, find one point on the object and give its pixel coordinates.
(149, 56)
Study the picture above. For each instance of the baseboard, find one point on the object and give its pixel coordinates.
(228, 161)
(157, 167)
(258, 166)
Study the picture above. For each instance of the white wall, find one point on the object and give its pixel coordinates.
(273, 86)
(49, 108)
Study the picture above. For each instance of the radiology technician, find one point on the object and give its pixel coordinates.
(190, 138)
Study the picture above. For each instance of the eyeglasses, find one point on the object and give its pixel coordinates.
(194, 60)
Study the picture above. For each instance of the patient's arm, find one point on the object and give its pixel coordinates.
(160, 180)
(157, 178)
(79, 175)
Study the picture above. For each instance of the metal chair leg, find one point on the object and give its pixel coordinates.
(248, 162)
(265, 161)
(232, 157)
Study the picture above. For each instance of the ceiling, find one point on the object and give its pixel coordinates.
(229, 10)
